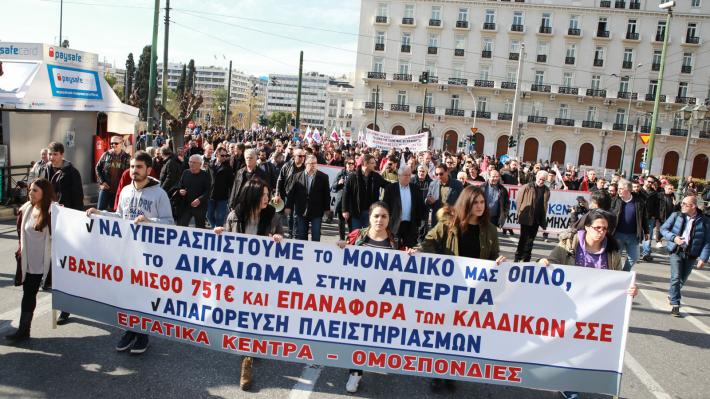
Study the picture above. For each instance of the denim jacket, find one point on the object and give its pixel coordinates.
(699, 235)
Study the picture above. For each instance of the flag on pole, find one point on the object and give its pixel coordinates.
(334, 136)
(342, 136)
(316, 136)
(308, 136)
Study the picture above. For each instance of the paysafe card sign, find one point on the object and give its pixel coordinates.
(74, 83)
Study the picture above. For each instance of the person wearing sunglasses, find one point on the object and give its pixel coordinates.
(442, 190)
(109, 169)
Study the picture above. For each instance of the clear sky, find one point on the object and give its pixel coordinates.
(259, 36)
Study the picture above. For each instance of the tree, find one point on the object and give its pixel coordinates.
(190, 83)
(182, 81)
(142, 78)
(120, 91)
(217, 111)
(263, 120)
(177, 122)
(130, 75)
(280, 120)
(110, 79)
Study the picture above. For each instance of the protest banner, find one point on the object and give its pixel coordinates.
(554, 328)
(384, 141)
(332, 172)
(558, 208)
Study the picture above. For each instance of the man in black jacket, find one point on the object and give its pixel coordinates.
(243, 175)
(631, 227)
(222, 178)
(497, 199)
(361, 190)
(195, 187)
(652, 210)
(284, 182)
(338, 187)
(268, 168)
(309, 198)
(406, 208)
(171, 171)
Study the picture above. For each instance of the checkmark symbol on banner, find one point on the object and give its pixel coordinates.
(63, 262)
(90, 226)
(155, 304)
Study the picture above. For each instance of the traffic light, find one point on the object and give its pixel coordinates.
(472, 139)
(254, 91)
(424, 78)
(511, 142)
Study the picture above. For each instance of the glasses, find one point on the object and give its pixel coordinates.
(221, 155)
(686, 204)
(439, 174)
(351, 163)
(115, 143)
(299, 156)
(600, 228)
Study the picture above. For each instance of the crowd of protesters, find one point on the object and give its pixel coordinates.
(269, 183)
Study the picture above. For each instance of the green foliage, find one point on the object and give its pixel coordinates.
(182, 81)
(142, 78)
(263, 120)
(217, 110)
(120, 91)
(110, 79)
(130, 76)
(190, 81)
(279, 120)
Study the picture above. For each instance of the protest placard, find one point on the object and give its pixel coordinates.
(385, 141)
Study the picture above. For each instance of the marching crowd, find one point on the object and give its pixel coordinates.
(269, 184)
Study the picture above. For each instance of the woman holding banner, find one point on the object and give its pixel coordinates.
(591, 246)
(376, 235)
(464, 230)
(253, 215)
(33, 256)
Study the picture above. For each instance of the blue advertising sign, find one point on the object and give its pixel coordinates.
(74, 82)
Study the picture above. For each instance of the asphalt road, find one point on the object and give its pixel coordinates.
(666, 357)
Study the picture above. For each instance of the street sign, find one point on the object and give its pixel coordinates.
(643, 165)
(474, 130)
(645, 137)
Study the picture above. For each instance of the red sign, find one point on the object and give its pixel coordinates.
(645, 137)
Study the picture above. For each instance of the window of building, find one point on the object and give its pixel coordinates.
(678, 120)
(463, 14)
(683, 89)
(402, 97)
(537, 108)
(508, 106)
(382, 10)
(652, 86)
(378, 64)
(515, 46)
(482, 104)
(433, 40)
(599, 53)
(431, 68)
(574, 21)
(631, 26)
(661, 29)
(454, 101)
(409, 11)
(628, 55)
(546, 20)
(539, 77)
(380, 38)
(602, 24)
(592, 113)
(692, 29)
(375, 95)
(458, 71)
(568, 79)
(657, 57)
(429, 99)
(517, 18)
(406, 39)
(490, 17)
(484, 72)
(404, 67)
(564, 111)
(543, 48)
(687, 59)
(695, 3)
(596, 82)
(512, 76)
(488, 45)
(620, 116)
(460, 42)
(571, 50)
(436, 13)
(624, 84)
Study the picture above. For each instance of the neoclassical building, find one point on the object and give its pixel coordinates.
(589, 76)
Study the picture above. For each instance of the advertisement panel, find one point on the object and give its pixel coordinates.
(74, 82)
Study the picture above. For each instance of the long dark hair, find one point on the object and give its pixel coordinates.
(47, 197)
(464, 207)
(250, 199)
(594, 214)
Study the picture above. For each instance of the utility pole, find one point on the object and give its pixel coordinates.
(633, 150)
(659, 88)
(628, 118)
(229, 97)
(377, 101)
(423, 109)
(298, 95)
(164, 93)
(518, 84)
(61, 15)
(153, 67)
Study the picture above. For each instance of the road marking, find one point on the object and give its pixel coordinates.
(645, 378)
(700, 274)
(662, 304)
(306, 382)
(44, 304)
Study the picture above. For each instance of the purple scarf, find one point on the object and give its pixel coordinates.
(598, 260)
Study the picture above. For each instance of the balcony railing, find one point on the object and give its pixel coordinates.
(432, 50)
(462, 24)
(574, 32)
(647, 129)
(486, 54)
(540, 88)
(508, 85)
(514, 56)
(596, 92)
(685, 100)
(434, 22)
(564, 122)
(406, 48)
(603, 33)
(626, 95)
(686, 69)
(481, 114)
(605, 3)
(458, 52)
(400, 107)
(622, 127)
(505, 116)
(380, 19)
(634, 5)
(679, 132)
(407, 21)
(489, 26)
(377, 75)
(620, 4)
(458, 81)
(704, 135)
(592, 124)
(598, 62)
(568, 90)
(537, 119)
(632, 35)
(569, 60)
(546, 29)
(455, 112)
(516, 28)
(656, 66)
(427, 110)
(692, 40)
(379, 47)
(627, 64)
(371, 105)
(652, 97)
(402, 76)
(432, 79)
(542, 58)
(483, 83)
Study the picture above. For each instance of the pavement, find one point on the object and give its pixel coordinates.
(666, 357)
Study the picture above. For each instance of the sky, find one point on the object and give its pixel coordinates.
(259, 36)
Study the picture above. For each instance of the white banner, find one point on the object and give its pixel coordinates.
(555, 328)
(558, 208)
(384, 141)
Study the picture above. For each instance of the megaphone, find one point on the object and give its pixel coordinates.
(278, 204)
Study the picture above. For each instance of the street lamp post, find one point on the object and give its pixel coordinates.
(377, 102)
(691, 115)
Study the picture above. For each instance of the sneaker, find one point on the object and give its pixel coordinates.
(353, 382)
(141, 344)
(63, 318)
(675, 312)
(126, 341)
(570, 395)
(647, 258)
(659, 245)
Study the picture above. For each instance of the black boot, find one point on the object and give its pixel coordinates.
(23, 332)
(63, 318)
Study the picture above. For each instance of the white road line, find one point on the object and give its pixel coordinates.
(659, 301)
(44, 305)
(700, 274)
(306, 382)
(645, 378)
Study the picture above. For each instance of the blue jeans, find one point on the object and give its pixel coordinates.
(360, 221)
(216, 212)
(105, 201)
(646, 246)
(681, 267)
(630, 244)
(302, 225)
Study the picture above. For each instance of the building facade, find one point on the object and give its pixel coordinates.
(339, 106)
(589, 75)
(282, 93)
